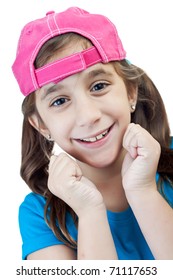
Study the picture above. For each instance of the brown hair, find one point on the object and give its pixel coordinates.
(150, 113)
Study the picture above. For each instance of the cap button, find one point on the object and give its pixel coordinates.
(50, 12)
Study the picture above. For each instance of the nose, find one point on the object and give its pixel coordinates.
(87, 112)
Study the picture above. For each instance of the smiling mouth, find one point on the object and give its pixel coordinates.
(96, 138)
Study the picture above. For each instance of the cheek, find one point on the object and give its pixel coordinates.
(119, 107)
(60, 131)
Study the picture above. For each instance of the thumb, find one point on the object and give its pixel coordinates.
(77, 172)
(128, 159)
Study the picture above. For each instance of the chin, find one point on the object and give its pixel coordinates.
(103, 164)
(100, 161)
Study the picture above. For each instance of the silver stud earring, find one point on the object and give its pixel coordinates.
(49, 137)
(133, 107)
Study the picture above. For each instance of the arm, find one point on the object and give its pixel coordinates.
(154, 215)
(94, 241)
(155, 218)
(94, 235)
(56, 252)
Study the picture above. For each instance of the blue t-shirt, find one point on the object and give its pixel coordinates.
(128, 238)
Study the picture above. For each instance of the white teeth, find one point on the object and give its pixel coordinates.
(99, 137)
(94, 139)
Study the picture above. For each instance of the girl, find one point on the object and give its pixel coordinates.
(109, 195)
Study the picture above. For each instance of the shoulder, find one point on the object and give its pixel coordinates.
(35, 232)
(31, 217)
(32, 210)
(33, 202)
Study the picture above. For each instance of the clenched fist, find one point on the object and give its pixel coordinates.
(140, 163)
(67, 182)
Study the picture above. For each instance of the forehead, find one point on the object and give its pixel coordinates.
(97, 71)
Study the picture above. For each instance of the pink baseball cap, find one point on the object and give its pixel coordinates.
(103, 34)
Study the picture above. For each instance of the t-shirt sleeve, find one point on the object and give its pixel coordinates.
(34, 231)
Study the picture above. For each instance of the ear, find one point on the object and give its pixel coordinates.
(37, 123)
(132, 95)
(133, 99)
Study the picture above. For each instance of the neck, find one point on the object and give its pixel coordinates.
(108, 181)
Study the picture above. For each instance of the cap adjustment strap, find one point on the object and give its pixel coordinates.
(62, 68)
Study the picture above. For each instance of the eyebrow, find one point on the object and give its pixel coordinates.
(50, 90)
(97, 72)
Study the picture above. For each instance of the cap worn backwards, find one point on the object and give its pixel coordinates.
(97, 28)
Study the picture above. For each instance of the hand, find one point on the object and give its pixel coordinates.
(67, 182)
(140, 163)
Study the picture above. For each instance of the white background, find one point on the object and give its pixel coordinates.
(145, 28)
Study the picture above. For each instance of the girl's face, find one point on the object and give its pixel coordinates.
(86, 114)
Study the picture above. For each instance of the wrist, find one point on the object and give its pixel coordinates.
(92, 212)
(141, 195)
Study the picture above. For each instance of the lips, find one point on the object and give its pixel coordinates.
(96, 138)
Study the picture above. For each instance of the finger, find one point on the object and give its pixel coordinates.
(76, 172)
(130, 140)
(126, 163)
(52, 160)
(56, 159)
(63, 164)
